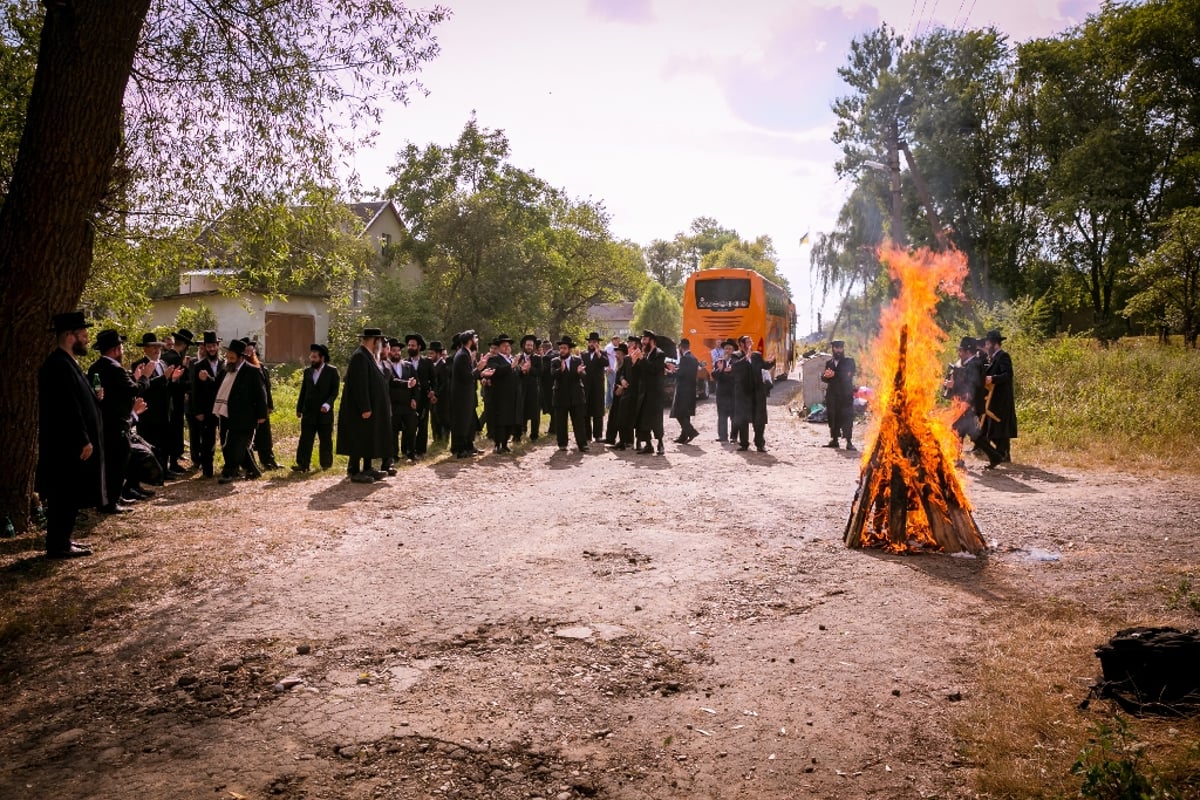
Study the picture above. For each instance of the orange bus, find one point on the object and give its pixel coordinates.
(720, 304)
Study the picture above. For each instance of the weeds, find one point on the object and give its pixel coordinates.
(1112, 765)
(1185, 594)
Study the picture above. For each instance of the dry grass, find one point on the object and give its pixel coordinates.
(1028, 730)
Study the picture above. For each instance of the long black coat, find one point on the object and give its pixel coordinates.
(529, 384)
(440, 385)
(314, 395)
(156, 391)
(569, 388)
(247, 399)
(1003, 403)
(204, 392)
(69, 419)
(463, 394)
(650, 368)
(629, 398)
(365, 389)
(503, 409)
(749, 391)
(839, 390)
(684, 402)
(595, 362)
(120, 390)
(724, 382)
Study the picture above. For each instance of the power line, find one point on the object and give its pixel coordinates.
(908, 25)
(917, 30)
(968, 16)
(954, 23)
(932, 13)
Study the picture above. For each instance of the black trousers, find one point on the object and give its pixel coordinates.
(655, 429)
(685, 426)
(116, 464)
(316, 430)
(263, 444)
(613, 428)
(404, 432)
(743, 434)
(597, 419)
(204, 442)
(61, 513)
(579, 423)
(236, 449)
(175, 423)
(841, 419)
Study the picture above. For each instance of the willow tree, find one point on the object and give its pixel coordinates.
(144, 111)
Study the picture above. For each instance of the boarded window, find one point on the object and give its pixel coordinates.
(288, 337)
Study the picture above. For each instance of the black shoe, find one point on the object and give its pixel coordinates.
(760, 448)
(72, 551)
(691, 436)
(723, 441)
(361, 477)
(298, 468)
(583, 448)
(475, 451)
(141, 492)
(562, 448)
(114, 508)
(661, 450)
(533, 438)
(227, 479)
(850, 446)
(207, 472)
(505, 449)
(833, 443)
(463, 454)
(681, 439)
(379, 474)
(743, 447)
(175, 469)
(254, 474)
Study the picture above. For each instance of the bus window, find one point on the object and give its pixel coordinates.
(722, 294)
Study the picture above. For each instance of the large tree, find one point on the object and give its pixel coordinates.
(229, 100)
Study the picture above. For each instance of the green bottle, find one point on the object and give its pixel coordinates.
(9, 531)
(96, 383)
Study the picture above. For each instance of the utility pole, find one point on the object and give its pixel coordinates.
(894, 177)
(923, 191)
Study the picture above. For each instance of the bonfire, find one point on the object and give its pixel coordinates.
(909, 496)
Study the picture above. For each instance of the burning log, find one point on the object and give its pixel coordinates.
(909, 497)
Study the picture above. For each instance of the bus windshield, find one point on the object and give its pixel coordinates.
(722, 294)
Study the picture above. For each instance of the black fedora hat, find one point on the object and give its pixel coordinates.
(567, 340)
(184, 335)
(150, 340)
(731, 342)
(210, 337)
(371, 333)
(529, 337)
(68, 321)
(415, 336)
(968, 343)
(238, 346)
(436, 347)
(594, 336)
(994, 336)
(319, 348)
(107, 339)
(622, 348)
(504, 337)
(649, 334)
(837, 343)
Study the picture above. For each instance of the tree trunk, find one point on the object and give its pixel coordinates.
(63, 170)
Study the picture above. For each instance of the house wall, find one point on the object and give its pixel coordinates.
(388, 224)
(245, 315)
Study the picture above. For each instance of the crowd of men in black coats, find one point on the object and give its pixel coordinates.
(107, 433)
(981, 382)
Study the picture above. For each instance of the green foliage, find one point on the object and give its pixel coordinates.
(758, 255)
(658, 310)
(1112, 766)
(20, 27)
(196, 317)
(399, 308)
(1167, 279)
(1185, 594)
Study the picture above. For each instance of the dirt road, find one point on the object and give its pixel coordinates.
(547, 625)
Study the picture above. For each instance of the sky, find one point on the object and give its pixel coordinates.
(668, 110)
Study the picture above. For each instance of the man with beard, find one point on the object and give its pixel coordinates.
(613, 434)
(723, 378)
(70, 468)
(423, 369)
(402, 393)
(318, 389)
(652, 366)
(965, 386)
(365, 415)
(529, 380)
(750, 396)
(155, 378)
(502, 409)
(118, 410)
(241, 406)
(570, 396)
(463, 398)
(439, 409)
(176, 355)
(1000, 415)
(595, 363)
(839, 394)
(683, 405)
(630, 387)
(264, 442)
(203, 381)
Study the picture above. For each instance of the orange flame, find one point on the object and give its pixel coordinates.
(910, 445)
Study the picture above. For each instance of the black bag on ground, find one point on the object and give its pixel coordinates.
(144, 466)
(1152, 671)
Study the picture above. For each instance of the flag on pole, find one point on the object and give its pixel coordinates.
(804, 239)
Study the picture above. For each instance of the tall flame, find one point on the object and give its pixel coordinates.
(907, 464)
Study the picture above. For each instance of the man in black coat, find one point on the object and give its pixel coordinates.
(464, 398)
(1000, 417)
(241, 406)
(318, 389)
(439, 408)
(595, 365)
(423, 368)
(403, 393)
(264, 441)
(683, 405)
(723, 377)
(614, 433)
(838, 377)
(750, 395)
(965, 386)
(651, 368)
(365, 414)
(503, 409)
(529, 366)
(570, 396)
(155, 377)
(70, 469)
(120, 393)
(176, 356)
(203, 382)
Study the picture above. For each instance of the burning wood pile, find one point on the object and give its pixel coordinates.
(909, 496)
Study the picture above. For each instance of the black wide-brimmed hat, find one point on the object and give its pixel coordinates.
(319, 348)
(371, 333)
(529, 337)
(968, 343)
(837, 343)
(685, 342)
(731, 342)
(250, 342)
(238, 346)
(436, 347)
(210, 337)
(567, 340)
(649, 334)
(419, 339)
(107, 339)
(594, 336)
(150, 340)
(994, 336)
(504, 337)
(392, 341)
(184, 335)
(69, 321)
(622, 348)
